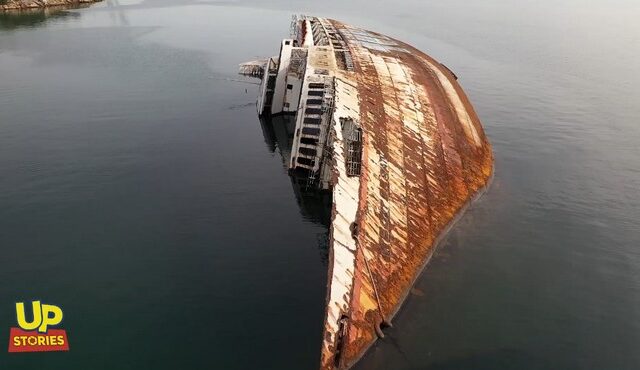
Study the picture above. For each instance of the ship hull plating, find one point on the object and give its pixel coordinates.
(389, 131)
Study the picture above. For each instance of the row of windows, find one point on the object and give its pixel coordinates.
(312, 86)
(316, 89)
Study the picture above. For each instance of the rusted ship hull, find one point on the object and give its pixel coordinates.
(389, 131)
(425, 156)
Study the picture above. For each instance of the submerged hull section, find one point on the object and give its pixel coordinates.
(397, 142)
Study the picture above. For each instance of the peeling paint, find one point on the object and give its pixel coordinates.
(424, 156)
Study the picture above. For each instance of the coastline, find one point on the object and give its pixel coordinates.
(10, 5)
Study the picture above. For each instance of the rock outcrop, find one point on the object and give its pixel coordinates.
(32, 4)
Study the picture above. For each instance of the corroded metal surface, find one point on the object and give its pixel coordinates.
(425, 156)
(391, 133)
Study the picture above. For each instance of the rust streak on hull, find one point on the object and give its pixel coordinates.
(390, 133)
(427, 166)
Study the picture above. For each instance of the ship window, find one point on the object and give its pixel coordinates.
(311, 131)
(312, 121)
(316, 85)
(313, 111)
(287, 42)
(305, 161)
(289, 86)
(309, 141)
(308, 151)
(316, 92)
(352, 134)
(314, 101)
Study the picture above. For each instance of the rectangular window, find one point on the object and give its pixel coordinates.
(289, 87)
(352, 134)
(309, 141)
(313, 111)
(310, 131)
(312, 121)
(305, 161)
(308, 151)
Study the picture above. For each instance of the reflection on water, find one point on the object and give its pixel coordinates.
(167, 233)
(117, 12)
(315, 205)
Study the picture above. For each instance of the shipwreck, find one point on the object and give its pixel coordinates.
(389, 133)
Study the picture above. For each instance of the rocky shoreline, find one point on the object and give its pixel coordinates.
(34, 4)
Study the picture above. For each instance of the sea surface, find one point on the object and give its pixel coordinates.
(141, 194)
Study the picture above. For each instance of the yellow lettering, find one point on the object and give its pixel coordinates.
(16, 341)
(37, 316)
(61, 340)
(35, 341)
(50, 320)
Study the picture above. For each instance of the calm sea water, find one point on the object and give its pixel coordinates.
(139, 191)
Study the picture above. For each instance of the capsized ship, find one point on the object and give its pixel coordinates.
(390, 133)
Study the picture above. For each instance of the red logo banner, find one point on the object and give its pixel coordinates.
(33, 341)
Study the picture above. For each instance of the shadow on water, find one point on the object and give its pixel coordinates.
(315, 205)
(29, 18)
